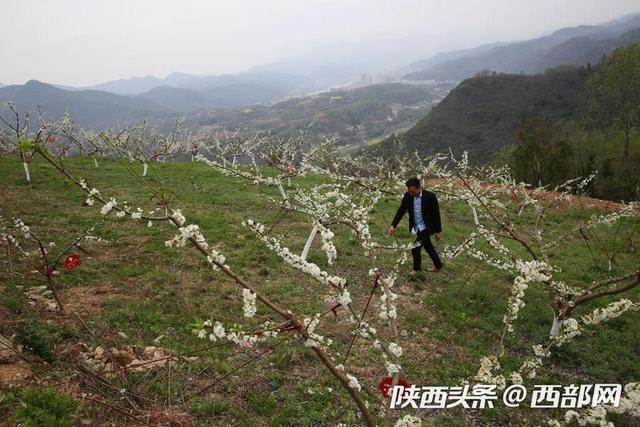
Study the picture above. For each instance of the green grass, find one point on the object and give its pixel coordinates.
(156, 290)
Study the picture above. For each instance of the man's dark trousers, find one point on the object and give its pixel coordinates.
(425, 240)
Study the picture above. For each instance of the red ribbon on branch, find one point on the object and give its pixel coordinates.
(71, 262)
(385, 385)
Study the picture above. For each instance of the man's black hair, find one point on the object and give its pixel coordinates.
(413, 182)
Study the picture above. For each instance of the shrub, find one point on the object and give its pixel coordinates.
(44, 408)
(36, 337)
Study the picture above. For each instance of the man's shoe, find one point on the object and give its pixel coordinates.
(434, 270)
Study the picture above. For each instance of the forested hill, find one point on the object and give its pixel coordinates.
(356, 116)
(484, 113)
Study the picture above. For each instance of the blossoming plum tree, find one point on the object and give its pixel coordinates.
(509, 234)
(499, 205)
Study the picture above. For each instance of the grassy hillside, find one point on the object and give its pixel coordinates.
(483, 114)
(133, 290)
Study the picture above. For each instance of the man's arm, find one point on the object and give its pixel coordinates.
(399, 214)
(437, 226)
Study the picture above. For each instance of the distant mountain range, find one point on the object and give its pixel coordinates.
(284, 83)
(103, 108)
(124, 101)
(354, 115)
(121, 102)
(89, 108)
(138, 85)
(568, 46)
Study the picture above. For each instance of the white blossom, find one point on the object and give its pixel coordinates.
(108, 206)
(611, 311)
(345, 298)
(408, 421)
(353, 382)
(249, 303)
(392, 368)
(395, 349)
(485, 375)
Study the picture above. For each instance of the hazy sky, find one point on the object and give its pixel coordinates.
(83, 42)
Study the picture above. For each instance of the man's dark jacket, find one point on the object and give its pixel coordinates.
(430, 211)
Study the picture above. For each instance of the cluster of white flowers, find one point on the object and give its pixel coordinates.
(590, 416)
(564, 290)
(345, 298)
(629, 404)
(492, 240)
(315, 339)
(108, 206)
(93, 238)
(501, 261)
(92, 192)
(611, 311)
(395, 349)
(541, 351)
(8, 238)
(235, 171)
(408, 421)
(629, 210)
(389, 279)
(453, 251)
(570, 329)
(485, 375)
(193, 232)
(248, 303)
(353, 382)
(392, 368)
(367, 331)
(387, 307)
(530, 365)
(515, 378)
(529, 271)
(295, 260)
(214, 331)
(183, 236)
(361, 218)
(336, 204)
(516, 301)
(137, 214)
(327, 243)
(24, 229)
(177, 215)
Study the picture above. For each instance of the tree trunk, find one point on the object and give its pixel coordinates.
(25, 165)
(307, 245)
(557, 324)
(475, 216)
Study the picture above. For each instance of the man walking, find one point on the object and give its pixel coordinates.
(424, 221)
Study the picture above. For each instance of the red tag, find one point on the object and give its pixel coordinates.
(72, 261)
(385, 385)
